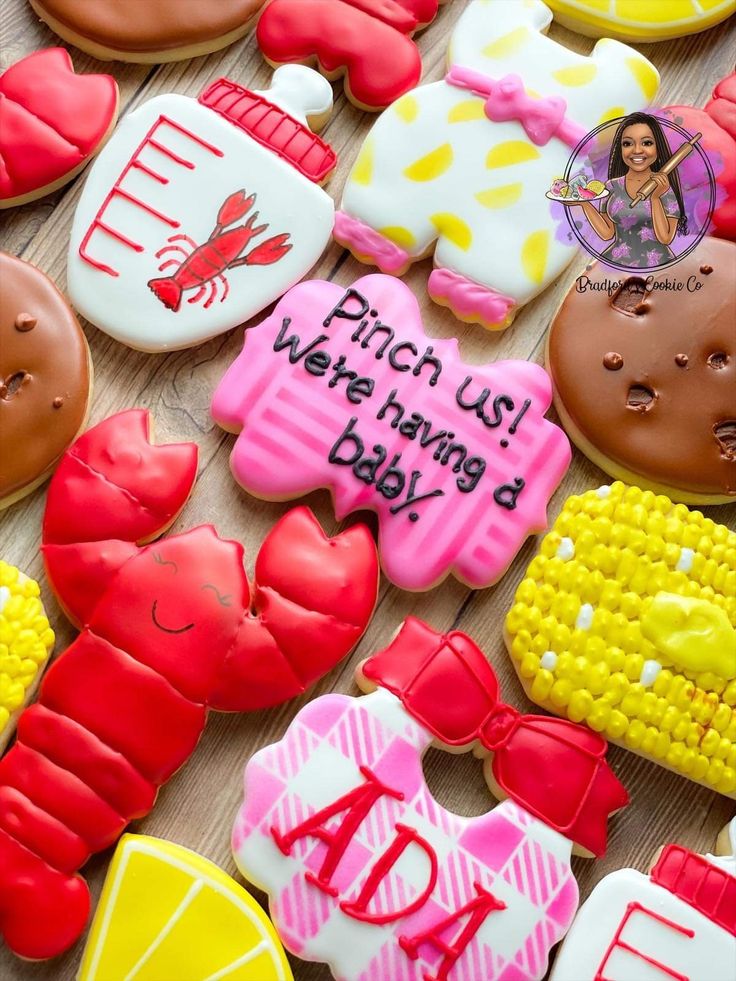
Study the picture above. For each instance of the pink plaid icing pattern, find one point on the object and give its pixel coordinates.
(508, 852)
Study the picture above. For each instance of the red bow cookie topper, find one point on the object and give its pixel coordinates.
(367, 41)
(364, 869)
(169, 630)
(52, 122)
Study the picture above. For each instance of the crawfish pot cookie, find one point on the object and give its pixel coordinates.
(626, 620)
(148, 31)
(644, 374)
(45, 378)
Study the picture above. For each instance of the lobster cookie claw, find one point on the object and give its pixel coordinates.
(555, 769)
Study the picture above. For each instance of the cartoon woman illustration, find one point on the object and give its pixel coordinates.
(642, 230)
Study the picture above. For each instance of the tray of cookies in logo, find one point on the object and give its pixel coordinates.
(346, 634)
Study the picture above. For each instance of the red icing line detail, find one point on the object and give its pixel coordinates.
(420, 666)
(367, 39)
(117, 190)
(618, 943)
(123, 708)
(51, 120)
(699, 883)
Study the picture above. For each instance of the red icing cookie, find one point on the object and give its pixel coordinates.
(367, 41)
(171, 630)
(717, 123)
(52, 122)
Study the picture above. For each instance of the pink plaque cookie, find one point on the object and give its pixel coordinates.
(341, 388)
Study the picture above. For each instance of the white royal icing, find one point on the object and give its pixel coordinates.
(649, 672)
(585, 617)
(566, 549)
(548, 660)
(685, 561)
(604, 491)
(4, 597)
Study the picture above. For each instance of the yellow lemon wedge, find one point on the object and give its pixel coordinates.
(167, 914)
(640, 20)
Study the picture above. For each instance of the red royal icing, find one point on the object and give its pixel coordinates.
(706, 887)
(171, 630)
(51, 120)
(553, 768)
(635, 910)
(367, 39)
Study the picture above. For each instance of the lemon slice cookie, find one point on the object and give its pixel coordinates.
(640, 20)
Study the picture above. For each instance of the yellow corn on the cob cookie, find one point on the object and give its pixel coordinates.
(626, 620)
(26, 641)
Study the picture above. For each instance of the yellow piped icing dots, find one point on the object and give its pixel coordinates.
(626, 620)
(167, 914)
(26, 641)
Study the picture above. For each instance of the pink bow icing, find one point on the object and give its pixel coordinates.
(506, 99)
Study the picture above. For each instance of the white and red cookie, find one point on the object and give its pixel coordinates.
(676, 924)
(168, 631)
(200, 212)
(341, 388)
(52, 122)
(367, 41)
(455, 168)
(366, 871)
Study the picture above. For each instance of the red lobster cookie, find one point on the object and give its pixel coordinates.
(169, 631)
(52, 122)
(366, 41)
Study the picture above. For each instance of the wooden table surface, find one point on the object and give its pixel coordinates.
(197, 807)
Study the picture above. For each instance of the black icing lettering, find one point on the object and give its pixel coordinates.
(514, 425)
(378, 328)
(474, 468)
(392, 403)
(347, 436)
(428, 437)
(340, 371)
(317, 363)
(366, 468)
(392, 480)
(359, 388)
(412, 498)
(507, 494)
(340, 310)
(455, 449)
(429, 358)
(293, 342)
(478, 404)
(411, 427)
(401, 365)
(359, 330)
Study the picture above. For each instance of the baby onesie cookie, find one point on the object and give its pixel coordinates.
(26, 640)
(457, 168)
(45, 378)
(199, 213)
(148, 32)
(641, 20)
(365, 870)
(52, 122)
(626, 620)
(169, 631)
(668, 924)
(341, 388)
(166, 912)
(717, 122)
(368, 42)
(644, 374)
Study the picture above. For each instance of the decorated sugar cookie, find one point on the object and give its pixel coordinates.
(367, 42)
(45, 378)
(341, 388)
(201, 212)
(366, 871)
(169, 630)
(626, 620)
(457, 168)
(150, 32)
(678, 923)
(644, 376)
(641, 20)
(166, 912)
(26, 640)
(717, 122)
(52, 122)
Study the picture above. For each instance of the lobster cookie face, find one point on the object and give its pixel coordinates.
(159, 30)
(45, 377)
(645, 379)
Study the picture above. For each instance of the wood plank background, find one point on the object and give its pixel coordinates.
(197, 807)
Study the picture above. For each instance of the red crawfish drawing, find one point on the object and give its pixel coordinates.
(205, 266)
(169, 630)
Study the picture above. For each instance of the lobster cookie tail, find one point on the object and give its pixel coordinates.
(168, 291)
(33, 893)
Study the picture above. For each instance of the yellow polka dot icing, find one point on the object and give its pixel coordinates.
(641, 20)
(167, 914)
(26, 641)
(626, 621)
(431, 166)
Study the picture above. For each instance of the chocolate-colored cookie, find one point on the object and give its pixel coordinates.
(148, 31)
(645, 374)
(45, 378)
